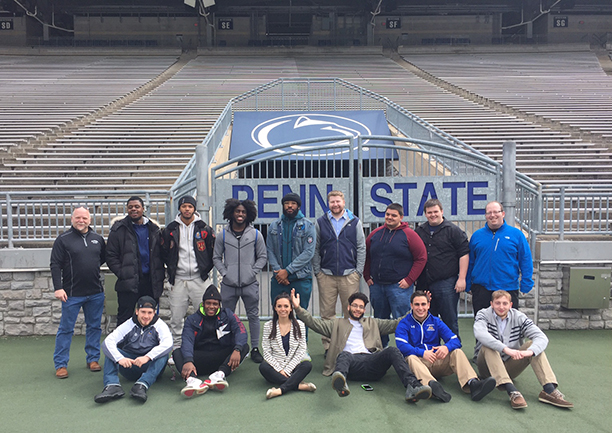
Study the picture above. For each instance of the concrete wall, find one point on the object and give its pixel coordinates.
(18, 35)
(581, 28)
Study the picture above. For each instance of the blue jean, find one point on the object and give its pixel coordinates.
(92, 309)
(389, 299)
(444, 301)
(147, 374)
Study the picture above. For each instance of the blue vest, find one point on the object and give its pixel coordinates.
(338, 253)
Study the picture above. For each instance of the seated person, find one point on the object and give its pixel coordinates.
(504, 355)
(138, 349)
(418, 338)
(356, 350)
(286, 362)
(214, 341)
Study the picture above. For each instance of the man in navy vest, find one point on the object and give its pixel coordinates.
(339, 257)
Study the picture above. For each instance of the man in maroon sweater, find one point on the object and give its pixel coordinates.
(395, 257)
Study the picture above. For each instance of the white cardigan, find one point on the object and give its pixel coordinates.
(274, 353)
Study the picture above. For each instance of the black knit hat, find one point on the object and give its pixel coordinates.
(212, 293)
(292, 197)
(186, 199)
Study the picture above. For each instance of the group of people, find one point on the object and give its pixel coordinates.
(437, 258)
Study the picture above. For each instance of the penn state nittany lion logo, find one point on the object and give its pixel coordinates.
(294, 127)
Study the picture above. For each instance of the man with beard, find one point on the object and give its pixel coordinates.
(240, 254)
(356, 351)
(133, 254)
(291, 246)
(187, 246)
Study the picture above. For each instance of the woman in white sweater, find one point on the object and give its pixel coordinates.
(286, 362)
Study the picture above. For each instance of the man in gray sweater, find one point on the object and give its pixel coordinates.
(239, 255)
(504, 355)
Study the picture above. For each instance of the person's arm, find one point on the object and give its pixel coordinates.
(402, 340)
(271, 244)
(525, 264)
(102, 251)
(266, 347)
(113, 253)
(481, 333)
(58, 256)
(316, 258)
(165, 341)
(419, 256)
(260, 252)
(300, 352)
(366, 267)
(387, 326)
(463, 266)
(471, 261)
(361, 248)
(188, 340)
(219, 250)
(539, 340)
(209, 240)
(109, 345)
(451, 341)
(320, 326)
(308, 247)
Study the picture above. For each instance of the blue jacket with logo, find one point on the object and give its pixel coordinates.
(497, 260)
(303, 240)
(414, 338)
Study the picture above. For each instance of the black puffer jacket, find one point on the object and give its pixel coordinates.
(123, 258)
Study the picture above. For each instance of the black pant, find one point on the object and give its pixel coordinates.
(290, 383)
(481, 298)
(373, 366)
(209, 361)
(127, 300)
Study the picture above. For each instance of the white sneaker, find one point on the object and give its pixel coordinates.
(217, 381)
(194, 387)
(171, 361)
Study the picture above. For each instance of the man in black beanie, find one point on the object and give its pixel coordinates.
(291, 245)
(214, 342)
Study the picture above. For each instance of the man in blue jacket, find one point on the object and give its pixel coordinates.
(291, 245)
(214, 342)
(499, 255)
(418, 337)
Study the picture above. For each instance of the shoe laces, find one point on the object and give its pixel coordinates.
(515, 394)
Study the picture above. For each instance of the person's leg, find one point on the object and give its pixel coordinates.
(490, 363)
(229, 296)
(250, 297)
(420, 368)
(481, 298)
(152, 370)
(460, 365)
(297, 376)
(111, 372)
(179, 302)
(225, 368)
(514, 297)
(328, 294)
(270, 374)
(445, 298)
(126, 302)
(304, 288)
(276, 289)
(63, 338)
(381, 307)
(347, 285)
(92, 310)
(380, 362)
(399, 300)
(196, 289)
(345, 363)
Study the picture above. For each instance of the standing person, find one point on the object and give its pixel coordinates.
(76, 258)
(240, 254)
(285, 352)
(395, 257)
(138, 349)
(447, 263)
(187, 246)
(418, 337)
(504, 355)
(499, 255)
(214, 342)
(356, 351)
(134, 256)
(291, 244)
(339, 257)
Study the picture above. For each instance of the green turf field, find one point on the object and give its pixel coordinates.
(34, 400)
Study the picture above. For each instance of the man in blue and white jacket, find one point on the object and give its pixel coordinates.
(418, 337)
(138, 349)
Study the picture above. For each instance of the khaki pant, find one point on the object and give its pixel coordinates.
(455, 362)
(490, 363)
(330, 287)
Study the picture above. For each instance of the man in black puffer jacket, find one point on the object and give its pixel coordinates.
(133, 254)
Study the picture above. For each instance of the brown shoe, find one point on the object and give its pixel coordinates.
(61, 373)
(517, 401)
(94, 366)
(555, 398)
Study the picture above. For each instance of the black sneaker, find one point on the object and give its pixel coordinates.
(110, 392)
(256, 356)
(339, 384)
(480, 388)
(417, 392)
(437, 391)
(139, 392)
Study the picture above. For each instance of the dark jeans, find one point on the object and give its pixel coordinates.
(290, 383)
(366, 367)
(444, 301)
(481, 298)
(127, 300)
(209, 361)
(147, 374)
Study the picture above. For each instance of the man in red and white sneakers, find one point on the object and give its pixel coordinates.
(214, 342)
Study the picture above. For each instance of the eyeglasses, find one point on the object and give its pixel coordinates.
(358, 307)
(494, 212)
